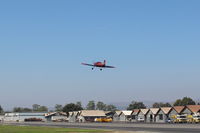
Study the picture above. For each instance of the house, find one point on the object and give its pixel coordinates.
(191, 110)
(70, 116)
(49, 115)
(125, 115)
(116, 116)
(90, 115)
(142, 115)
(11, 117)
(163, 114)
(109, 114)
(176, 110)
(1, 118)
(151, 115)
(73, 116)
(134, 115)
(56, 116)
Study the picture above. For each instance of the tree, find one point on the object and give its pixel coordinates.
(100, 106)
(17, 109)
(1, 110)
(159, 105)
(91, 105)
(188, 101)
(79, 105)
(27, 110)
(156, 105)
(178, 102)
(20, 109)
(110, 107)
(71, 107)
(184, 101)
(58, 107)
(167, 105)
(35, 107)
(42, 109)
(38, 108)
(136, 105)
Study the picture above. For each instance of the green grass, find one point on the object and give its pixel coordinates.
(30, 129)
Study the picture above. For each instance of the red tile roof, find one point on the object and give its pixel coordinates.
(179, 109)
(194, 108)
(136, 110)
(166, 110)
(154, 110)
(144, 111)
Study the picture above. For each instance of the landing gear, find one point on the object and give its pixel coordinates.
(99, 69)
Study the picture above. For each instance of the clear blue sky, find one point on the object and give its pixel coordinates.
(155, 46)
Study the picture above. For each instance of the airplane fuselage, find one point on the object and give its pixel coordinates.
(99, 64)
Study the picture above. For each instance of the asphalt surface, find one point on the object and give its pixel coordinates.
(161, 128)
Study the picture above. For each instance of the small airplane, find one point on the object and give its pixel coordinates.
(98, 64)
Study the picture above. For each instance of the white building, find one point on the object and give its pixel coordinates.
(125, 116)
(151, 115)
(90, 115)
(116, 116)
(17, 117)
(56, 116)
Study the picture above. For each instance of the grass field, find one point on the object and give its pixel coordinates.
(30, 129)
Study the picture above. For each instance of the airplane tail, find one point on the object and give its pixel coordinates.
(104, 62)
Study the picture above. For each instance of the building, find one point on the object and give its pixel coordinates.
(142, 115)
(176, 110)
(17, 117)
(134, 115)
(163, 114)
(73, 116)
(56, 116)
(151, 115)
(90, 115)
(1, 118)
(125, 116)
(191, 110)
(116, 116)
(109, 114)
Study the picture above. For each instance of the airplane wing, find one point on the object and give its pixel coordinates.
(87, 64)
(109, 67)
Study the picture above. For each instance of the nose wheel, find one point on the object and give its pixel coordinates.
(100, 69)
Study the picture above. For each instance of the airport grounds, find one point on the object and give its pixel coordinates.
(114, 127)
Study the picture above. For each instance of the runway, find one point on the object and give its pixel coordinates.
(160, 128)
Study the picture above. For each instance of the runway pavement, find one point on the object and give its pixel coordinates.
(161, 128)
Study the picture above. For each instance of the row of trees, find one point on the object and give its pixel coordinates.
(140, 105)
(90, 106)
(133, 105)
(35, 108)
(185, 101)
(179, 102)
(101, 106)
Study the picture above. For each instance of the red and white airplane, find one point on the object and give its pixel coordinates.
(98, 64)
